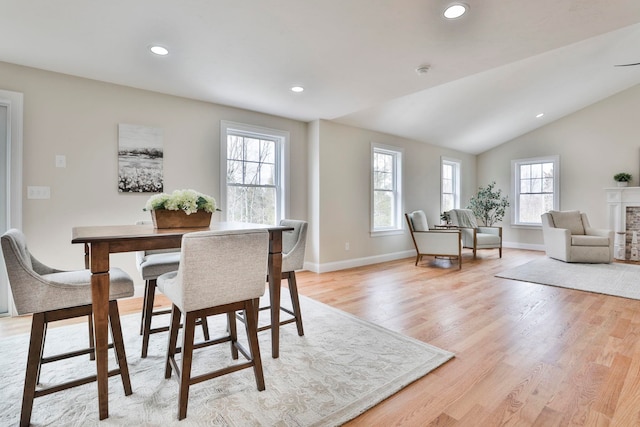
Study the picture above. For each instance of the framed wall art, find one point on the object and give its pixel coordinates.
(140, 159)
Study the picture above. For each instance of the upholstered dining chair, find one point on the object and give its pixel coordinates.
(293, 249)
(220, 272)
(52, 295)
(474, 236)
(152, 264)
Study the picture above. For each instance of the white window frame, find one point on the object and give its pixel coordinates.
(515, 180)
(457, 166)
(397, 153)
(282, 162)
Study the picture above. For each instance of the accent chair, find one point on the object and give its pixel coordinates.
(569, 237)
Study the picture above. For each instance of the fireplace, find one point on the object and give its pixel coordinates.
(624, 218)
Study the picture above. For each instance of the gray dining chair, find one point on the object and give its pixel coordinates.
(152, 264)
(52, 295)
(220, 272)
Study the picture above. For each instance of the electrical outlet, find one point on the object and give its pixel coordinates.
(34, 192)
(61, 161)
(346, 246)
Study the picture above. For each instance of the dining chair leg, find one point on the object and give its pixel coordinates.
(233, 333)
(144, 306)
(173, 339)
(92, 342)
(44, 339)
(251, 326)
(147, 314)
(33, 365)
(187, 357)
(118, 346)
(295, 301)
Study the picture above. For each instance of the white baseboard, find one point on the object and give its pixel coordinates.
(526, 246)
(357, 262)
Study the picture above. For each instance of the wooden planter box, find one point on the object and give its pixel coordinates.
(164, 218)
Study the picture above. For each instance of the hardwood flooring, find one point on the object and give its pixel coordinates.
(526, 354)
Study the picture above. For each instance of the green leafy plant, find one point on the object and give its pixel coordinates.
(190, 201)
(444, 216)
(622, 177)
(489, 204)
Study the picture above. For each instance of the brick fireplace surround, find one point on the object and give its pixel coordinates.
(623, 205)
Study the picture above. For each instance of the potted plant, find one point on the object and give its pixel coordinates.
(489, 205)
(182, 208)
(622, 179)
(445, 217)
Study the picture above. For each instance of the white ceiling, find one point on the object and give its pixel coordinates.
(491, 71)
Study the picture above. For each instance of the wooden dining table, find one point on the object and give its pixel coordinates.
(100, 241)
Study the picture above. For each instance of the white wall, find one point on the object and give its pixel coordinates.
(593, 144)
(344, 168)
(79, 118)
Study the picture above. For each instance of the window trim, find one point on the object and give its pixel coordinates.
(282, 162)
(457, 164)
(515, 180)
(397, 153)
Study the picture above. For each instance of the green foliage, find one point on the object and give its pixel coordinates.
(622, 177)
(489, 204)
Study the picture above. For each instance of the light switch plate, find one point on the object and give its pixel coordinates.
(61, 161)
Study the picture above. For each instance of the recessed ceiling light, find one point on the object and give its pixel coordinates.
(456, 10)
(297, 89)
(539, 115)
(159, 50)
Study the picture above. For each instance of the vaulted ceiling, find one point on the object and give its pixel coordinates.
(490, 71)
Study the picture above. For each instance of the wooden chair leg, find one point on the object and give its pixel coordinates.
(144, 306)
(149, 296)
(187, 357)
(293, 291)
(173, 339)
(33, 363)
(92, 343)
(118, 346)
(205, 328)
(233, 333)
(251, 325)
(44, 338)
(500, 251)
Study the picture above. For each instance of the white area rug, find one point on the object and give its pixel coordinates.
(616, 279)
(339, 369)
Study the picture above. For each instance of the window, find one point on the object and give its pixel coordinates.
(386, 173)
(450, 185)
(536, 188)
(253, 165)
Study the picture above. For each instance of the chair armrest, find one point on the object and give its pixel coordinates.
(598, 232)
(490, 230)
(440, 242)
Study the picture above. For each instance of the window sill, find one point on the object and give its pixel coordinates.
(386, 233)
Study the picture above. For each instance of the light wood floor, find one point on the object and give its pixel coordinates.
(526, 354)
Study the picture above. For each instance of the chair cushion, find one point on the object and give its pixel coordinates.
(156, 264)
(585, 240)
(487, 239)
(419, 221)
(570, 220)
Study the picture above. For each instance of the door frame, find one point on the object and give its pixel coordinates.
(14, 102)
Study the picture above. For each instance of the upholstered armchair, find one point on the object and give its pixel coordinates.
(474, 236)
(433, 242)
(569, 237)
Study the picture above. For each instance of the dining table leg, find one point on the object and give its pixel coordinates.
(275, 277)
(99, 255)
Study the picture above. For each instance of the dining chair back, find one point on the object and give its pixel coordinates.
(152, 264)
(220, 272)
(51, 295)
